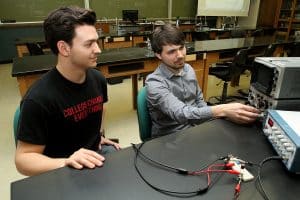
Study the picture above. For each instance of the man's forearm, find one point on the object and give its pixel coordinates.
(31, 164)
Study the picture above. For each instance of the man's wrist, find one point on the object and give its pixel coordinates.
(63, 162)
(218, 111)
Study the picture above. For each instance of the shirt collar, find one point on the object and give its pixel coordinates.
(169, 74)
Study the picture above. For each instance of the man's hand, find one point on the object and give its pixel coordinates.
(236, 112)
(109, 142)
(85, 158)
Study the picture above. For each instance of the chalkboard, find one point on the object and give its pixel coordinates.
(147, 8)
(184, 8)
(37, 10)
(32, 10)
(113, 8)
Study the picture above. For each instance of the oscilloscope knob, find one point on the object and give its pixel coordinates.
(262, 104)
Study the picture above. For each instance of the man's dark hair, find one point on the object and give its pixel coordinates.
(61, 23)
(164, 35)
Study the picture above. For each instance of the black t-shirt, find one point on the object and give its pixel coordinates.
(62, 115)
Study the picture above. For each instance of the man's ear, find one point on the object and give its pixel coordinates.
(158, 56)
(63, 48)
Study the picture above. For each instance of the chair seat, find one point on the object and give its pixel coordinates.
(221, 72)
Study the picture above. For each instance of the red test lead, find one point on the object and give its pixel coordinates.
(237, 188)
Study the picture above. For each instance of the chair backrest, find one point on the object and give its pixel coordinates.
(270, 50)
(232, 69)
(16, 123)
(241, 57)
(144, 118)
(34, 49)
(239, 63)
(257, 32)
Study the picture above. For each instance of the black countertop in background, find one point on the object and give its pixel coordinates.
(42, 63)
(39, 64)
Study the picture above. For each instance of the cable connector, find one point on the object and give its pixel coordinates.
(237, 188)
(229, 165)
(231, 171)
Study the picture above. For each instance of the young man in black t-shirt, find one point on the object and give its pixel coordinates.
(61, 113)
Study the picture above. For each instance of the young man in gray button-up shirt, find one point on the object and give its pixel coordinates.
(174, 98)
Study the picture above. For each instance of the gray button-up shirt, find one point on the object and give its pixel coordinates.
(175, 102)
